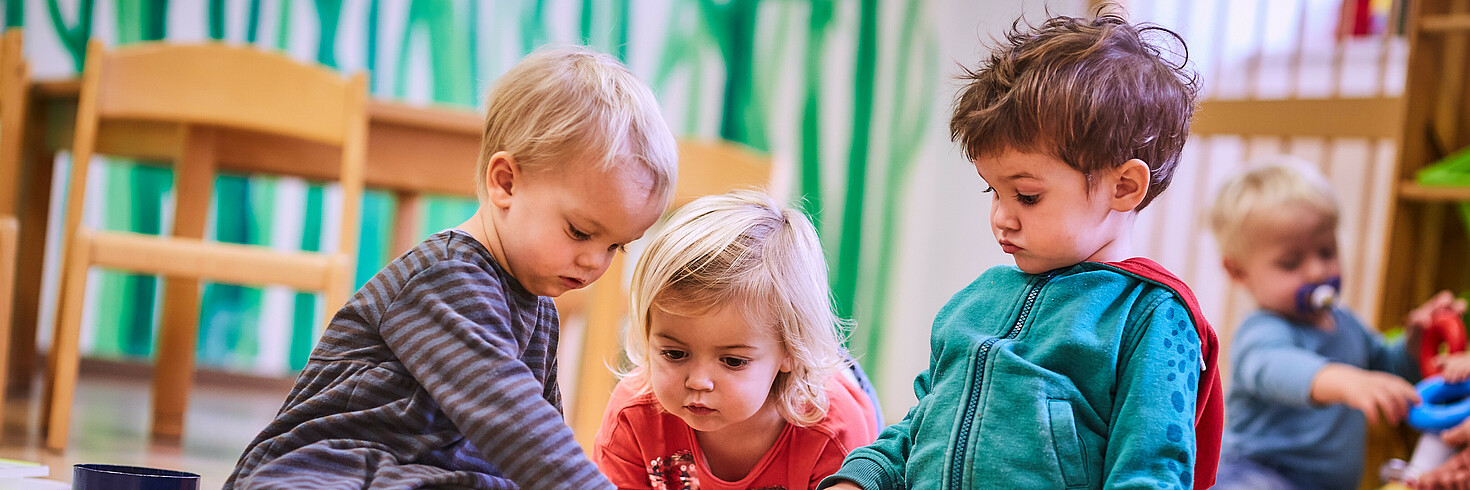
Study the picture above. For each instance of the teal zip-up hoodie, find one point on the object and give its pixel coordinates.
(1082, 377)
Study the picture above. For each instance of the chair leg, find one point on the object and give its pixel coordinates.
(30, 258)
(9, 231)
(61, 382)
(179, 328)
(174, 375)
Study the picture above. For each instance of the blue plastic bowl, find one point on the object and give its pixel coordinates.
(118, 477)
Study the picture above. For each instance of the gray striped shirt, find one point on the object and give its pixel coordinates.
(439, 372)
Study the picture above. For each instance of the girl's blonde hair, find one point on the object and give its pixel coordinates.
(565, 104)
(1278, 182)
(744, 250)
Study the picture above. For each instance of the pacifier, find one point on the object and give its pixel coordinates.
(1318, 296)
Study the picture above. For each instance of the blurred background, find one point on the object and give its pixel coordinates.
(848, 98)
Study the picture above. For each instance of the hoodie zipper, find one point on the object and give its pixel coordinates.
(972, 402)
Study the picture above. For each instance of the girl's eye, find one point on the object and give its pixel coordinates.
(989, 189)
(734, 362)
(618, 247)
(1027, 200)
(577, 235)
(673, 355)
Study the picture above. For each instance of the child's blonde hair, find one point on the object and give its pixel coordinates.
(1279, 181)
(744, 250)
(563, 104)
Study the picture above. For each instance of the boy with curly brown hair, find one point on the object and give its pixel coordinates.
(1082, 366)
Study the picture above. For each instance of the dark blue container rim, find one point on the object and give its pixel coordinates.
(135, 471)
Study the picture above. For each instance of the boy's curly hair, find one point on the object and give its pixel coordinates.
(1092, 93)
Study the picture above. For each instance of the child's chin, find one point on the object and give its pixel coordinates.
(1031, 267)
(699, 424)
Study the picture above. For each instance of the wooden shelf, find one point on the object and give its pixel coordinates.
(1445, 23)
(1415, 191)
(1426, 248)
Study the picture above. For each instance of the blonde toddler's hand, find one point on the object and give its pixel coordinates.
(1379, 395)
(1418, 319)
(1454, 367)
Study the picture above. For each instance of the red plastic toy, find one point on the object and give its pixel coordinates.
(1445, 329)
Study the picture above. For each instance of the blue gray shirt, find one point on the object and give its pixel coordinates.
(1269, 416)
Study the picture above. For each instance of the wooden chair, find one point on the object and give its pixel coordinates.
(192, 95)
(14, 83)
(705, 167)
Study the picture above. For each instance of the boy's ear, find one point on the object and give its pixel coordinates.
(500, 178)
(1130, 186)
(1233, 269)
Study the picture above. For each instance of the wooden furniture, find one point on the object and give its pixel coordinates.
(705, 167)
(190, 94)
(14, 81)
(1426, 249)
(413, 151)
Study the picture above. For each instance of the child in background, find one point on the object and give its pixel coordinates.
(1306, 375)
(1081, 366)
(739, 379)
(441, 370)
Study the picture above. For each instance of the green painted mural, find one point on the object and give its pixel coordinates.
(842, 89)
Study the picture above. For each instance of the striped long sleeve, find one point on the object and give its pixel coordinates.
(440, 371)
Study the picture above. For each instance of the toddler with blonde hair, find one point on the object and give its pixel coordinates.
(1308, 374)
(441, 370)
(739, 377)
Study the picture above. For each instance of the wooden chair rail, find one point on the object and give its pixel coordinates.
(227, 262)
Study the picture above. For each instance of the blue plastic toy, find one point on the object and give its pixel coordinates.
(1445, 405)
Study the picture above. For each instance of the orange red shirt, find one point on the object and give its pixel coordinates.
(641, 446)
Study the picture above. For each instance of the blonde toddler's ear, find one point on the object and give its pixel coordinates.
(501, 176)
(1233, 269)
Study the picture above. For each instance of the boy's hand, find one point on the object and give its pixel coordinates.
(847, 485)
(1454, 367)
(1372, 392)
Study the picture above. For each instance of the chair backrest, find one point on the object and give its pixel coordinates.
(705, 167)
(216, 85)
(716, 167)
(228, 86)
(14, 84)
